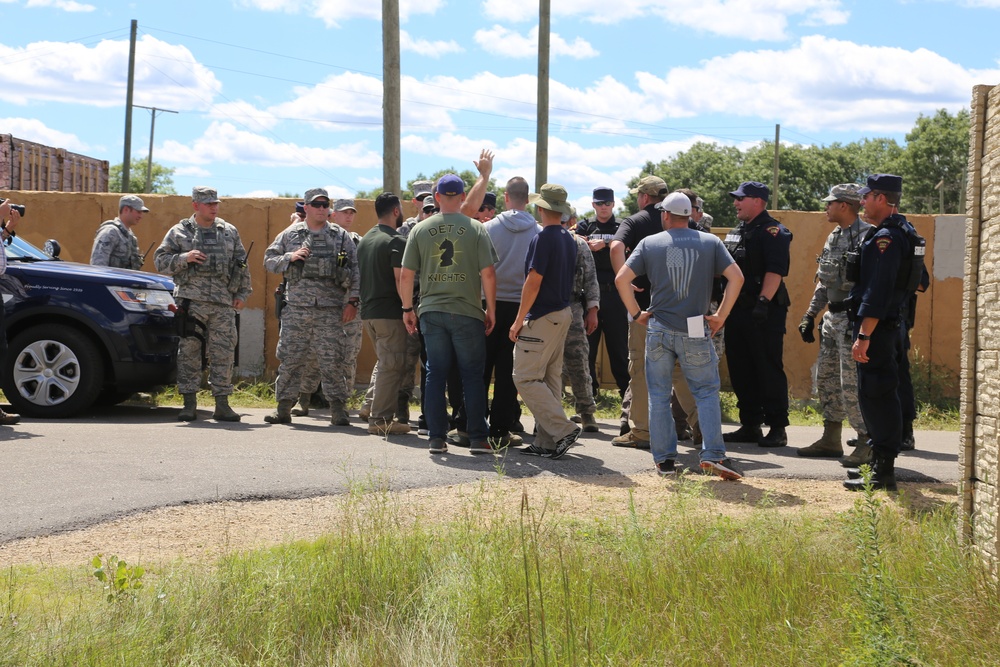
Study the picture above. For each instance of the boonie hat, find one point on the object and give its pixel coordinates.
(552, 197)
(845, 192)
(344, 205)
(883, 182)
(132, 201)
(450, 184)
(202, 194)
(315, 193)
(752, 189)
(677, 203)
(650, 185)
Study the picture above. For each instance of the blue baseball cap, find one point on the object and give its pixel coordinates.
(883, 182)
(450, 184)
(752, 189)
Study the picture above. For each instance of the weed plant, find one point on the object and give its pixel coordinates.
(661, 583)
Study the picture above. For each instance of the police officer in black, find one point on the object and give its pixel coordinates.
(755, 330)
(612, 320)
(878, 300)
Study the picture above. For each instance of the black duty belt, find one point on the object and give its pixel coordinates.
(838, 306)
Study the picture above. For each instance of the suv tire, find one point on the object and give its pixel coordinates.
(52, 371)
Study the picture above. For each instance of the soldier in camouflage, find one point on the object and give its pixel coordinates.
(342, 215)
(115, 244)
(836, 378)
(584, 304)
(208, 263)
(320, 264)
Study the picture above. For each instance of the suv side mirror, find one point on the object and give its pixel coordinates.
(53, 248)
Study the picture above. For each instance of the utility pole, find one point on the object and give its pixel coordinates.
(152, 128)
(774, 180)
(391, 156)
(127, 160)
(542, 136)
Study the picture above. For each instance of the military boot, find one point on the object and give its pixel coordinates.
(283, 415)
(223, 412)
(589, 423)
(829, 444)
(883, 475)
(908, 444)
(861, 455)
(190, 410)
(302, 409)
(338, 414)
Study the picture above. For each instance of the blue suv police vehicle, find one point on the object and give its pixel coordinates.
(80, 335)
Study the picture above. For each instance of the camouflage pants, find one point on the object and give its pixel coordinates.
(312, 340)
(576, 363)
(408, 382)
(352, 338)
(837, 374)
(220, 345)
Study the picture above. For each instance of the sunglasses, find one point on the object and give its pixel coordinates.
(603, 203)
(739, 198)
(320, 204)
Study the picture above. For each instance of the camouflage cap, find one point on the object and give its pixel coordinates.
(202, 194)
(651, 185)
(132, 201)
(845, 192)
(422, 188)
(429, 203)
(313, 194)
(344, 205)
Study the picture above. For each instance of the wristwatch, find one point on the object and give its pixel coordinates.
(863, 336)
(637, 315)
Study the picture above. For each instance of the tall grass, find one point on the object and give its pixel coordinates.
(671, 584)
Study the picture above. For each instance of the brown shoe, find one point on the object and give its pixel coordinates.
(388, 428)
(630, 440)
(8, 418)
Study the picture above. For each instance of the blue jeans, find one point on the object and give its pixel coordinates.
(446, 334)
(700, 365)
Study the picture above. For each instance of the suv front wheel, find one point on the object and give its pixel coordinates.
(52, 371)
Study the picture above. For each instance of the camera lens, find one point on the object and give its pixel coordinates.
(19, 208)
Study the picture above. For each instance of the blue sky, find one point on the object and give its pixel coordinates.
(281, 95)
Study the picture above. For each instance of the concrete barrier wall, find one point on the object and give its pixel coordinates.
(979, 458)
(72, 218)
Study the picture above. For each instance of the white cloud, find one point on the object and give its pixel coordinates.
(502, 41)
(192, 171)
(223, 142)
(746, 19)
(35, 130)
(244, 113)
(334, 12)
(65, 5)
(166, 75)
(426, 48)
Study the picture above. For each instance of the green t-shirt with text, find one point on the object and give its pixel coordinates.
(447, 252)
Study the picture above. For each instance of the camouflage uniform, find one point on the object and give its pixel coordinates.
(115, 245)
(837, 379)
(211, 288)
(311, 323)
(576, 355)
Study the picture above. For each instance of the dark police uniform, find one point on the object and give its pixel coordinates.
(754, 351)
(879, 294)
(612, 320)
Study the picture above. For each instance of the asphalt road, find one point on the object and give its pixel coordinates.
(62, 475)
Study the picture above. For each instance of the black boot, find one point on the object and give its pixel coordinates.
(883, 474)
(745, 433)
(776, 437)
(908, 444)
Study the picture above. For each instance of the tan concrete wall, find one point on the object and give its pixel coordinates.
(979, 458)
(72, 218)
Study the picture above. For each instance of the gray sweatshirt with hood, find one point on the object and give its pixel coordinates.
(511, 232)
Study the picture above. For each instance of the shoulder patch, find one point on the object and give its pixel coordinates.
(773, 230)
(883, 243)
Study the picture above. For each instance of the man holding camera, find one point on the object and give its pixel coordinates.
(10, 214)
(115, 244)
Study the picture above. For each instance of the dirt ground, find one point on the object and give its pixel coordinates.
(202, 533)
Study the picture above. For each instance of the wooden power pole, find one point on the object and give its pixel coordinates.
(542, 136)
(127, 160)
(390, 97)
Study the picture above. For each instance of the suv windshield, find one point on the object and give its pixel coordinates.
(21, 249)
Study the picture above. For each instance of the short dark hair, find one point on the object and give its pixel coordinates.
(891, 198)
(384, 204)
(689, 193)
(517, 190)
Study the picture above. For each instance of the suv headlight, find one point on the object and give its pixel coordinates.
(142, 300)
